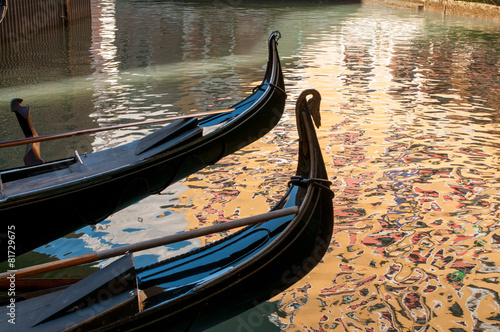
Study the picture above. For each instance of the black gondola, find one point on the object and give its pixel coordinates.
(206, 286)
(46, 201)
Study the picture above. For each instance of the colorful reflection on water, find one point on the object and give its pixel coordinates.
(411, 134)
(410, 137)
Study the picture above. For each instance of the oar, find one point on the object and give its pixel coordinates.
(96, 256)
(96, 130)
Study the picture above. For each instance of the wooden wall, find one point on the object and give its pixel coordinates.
(26, 17)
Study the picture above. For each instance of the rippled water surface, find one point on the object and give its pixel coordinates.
(410, 135)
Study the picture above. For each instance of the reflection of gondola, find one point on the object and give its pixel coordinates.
(206, 286)
(44, 202)
(3, 9)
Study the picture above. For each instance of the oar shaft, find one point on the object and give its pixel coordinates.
(96, 256)
(196, 233)
(44, 138)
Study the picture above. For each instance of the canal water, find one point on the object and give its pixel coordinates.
(410, 134)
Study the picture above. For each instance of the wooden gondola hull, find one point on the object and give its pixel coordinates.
(113, 179)
(206, 286)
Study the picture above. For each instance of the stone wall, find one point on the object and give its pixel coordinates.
(26, 17)
(450, 7)
(464, 8)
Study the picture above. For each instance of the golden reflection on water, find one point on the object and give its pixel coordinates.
(240, 185)
(416, 237)
(410, 148)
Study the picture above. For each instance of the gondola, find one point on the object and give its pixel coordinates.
(45, 201)
(201, 288)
